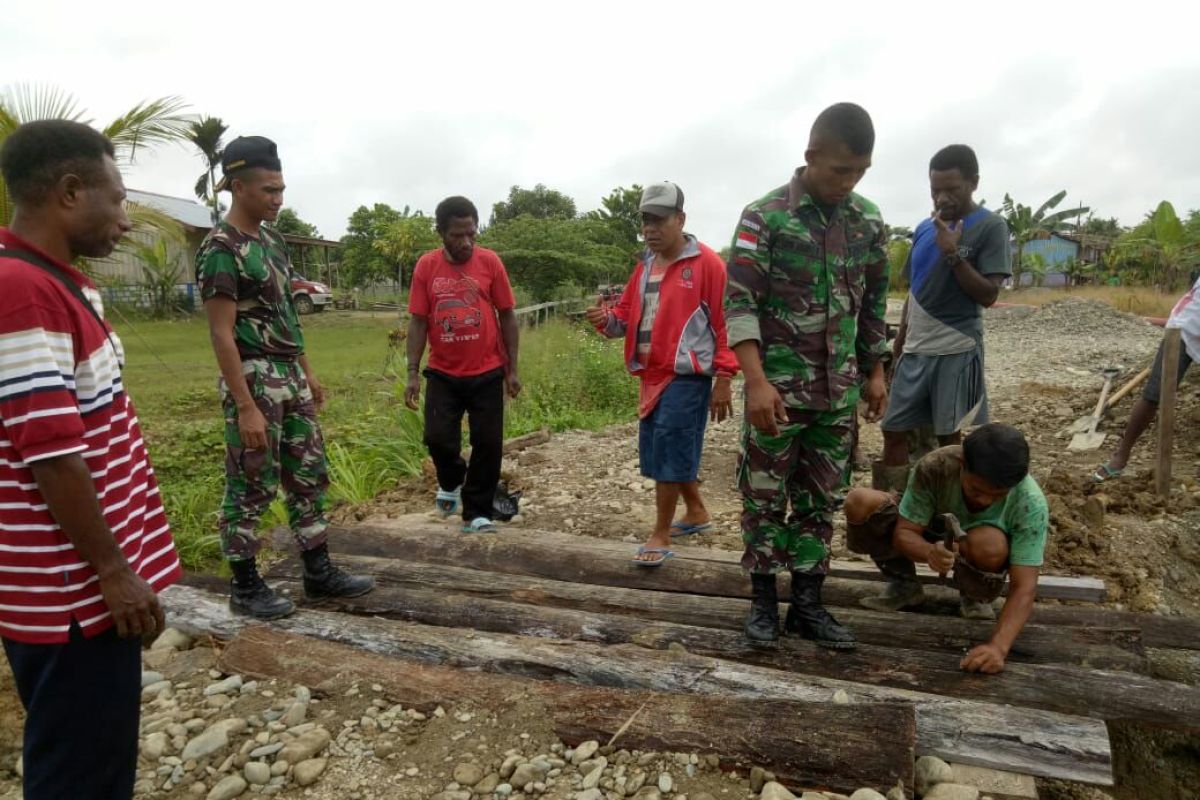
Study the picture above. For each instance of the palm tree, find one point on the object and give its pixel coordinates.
(206, 134)
(1161, 246)
(149, 123)
(1025, 224)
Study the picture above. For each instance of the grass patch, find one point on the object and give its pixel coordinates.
(1139, 300)
(572, 379)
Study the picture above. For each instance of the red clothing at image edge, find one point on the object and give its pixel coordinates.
(460, 302)
(61, 394)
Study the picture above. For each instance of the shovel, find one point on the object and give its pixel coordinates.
(1089, 439)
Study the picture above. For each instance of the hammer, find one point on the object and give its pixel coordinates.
(951, 531)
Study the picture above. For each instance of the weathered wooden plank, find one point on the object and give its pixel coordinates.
(803, 743)
(1041, 743)
(1158, 630)
(582, 559)
(1106, 695)
(1094, 646)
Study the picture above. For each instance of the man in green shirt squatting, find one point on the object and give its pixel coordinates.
(985, 484)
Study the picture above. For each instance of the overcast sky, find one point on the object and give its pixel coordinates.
(406, 103)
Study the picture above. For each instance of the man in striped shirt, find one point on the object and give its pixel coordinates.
(84, 543)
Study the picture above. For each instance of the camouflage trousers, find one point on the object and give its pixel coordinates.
(294, 458)
(804, 467)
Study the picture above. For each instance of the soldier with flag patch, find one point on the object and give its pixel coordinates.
(804, 307)
(269, 393)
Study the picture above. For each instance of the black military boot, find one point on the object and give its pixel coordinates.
(903, 590)
(763, 623)
(250, 595)
(323, 579)
(808, 618)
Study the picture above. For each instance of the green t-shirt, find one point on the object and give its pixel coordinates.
(935, 487)
(256, 272)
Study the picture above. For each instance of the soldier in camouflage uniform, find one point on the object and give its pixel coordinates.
(805, 304)
(268, 391)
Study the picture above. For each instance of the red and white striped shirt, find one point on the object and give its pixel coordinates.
(61, 393)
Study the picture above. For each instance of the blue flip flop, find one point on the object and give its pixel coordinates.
(665, 555)
(680, 528)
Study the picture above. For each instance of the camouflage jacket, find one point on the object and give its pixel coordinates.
(812, 292)
(257, 273)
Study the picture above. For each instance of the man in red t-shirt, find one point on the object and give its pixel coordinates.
(84, 542)
(462, 303)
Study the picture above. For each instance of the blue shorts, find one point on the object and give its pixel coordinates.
(671, 439)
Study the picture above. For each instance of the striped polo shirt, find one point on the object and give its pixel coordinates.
(61, 394)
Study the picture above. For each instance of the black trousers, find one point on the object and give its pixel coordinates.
(481, 398)
(82, 701)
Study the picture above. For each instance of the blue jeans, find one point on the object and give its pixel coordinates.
(671, 438)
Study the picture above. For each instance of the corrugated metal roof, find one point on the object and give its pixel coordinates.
(189, 212)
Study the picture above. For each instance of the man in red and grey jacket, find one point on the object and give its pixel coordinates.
(673, 320)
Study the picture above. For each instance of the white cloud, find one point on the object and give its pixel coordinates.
(407, 104)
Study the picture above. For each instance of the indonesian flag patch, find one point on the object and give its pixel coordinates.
(746, 240)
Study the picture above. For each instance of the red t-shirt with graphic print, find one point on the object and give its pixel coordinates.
(461, 301)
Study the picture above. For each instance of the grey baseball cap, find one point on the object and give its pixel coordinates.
(661, 199)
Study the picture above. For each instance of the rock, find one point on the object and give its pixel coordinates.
(648, 793)
(952, 791)
(897, 793)
(257, 772)
(665, 782)
(487, 785)
(303, 695)
(172, 639)
(635, 783)
(592, 779)
(867, 794)
(384, 748)
(455, 795)
(266, 750)
(836, 796)
(503, 790)
(841, 697)
(295, 714)
(198, 788)
(280, 768)
(775, 791)
(928, 772)
(468, 774)
(306, 772)
(758, 777)
(703, 796)
(584, 752)
(149, 677)
(527, 773)
(153, 689)
(214, 739)
(231, 684)
(304, 747)
(155, 746)
(228, 788)
(590, 794)
(510, 763)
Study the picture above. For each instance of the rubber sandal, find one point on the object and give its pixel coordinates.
(665, 555)
(447, 502)
(479, 525)
(1106, 473)
(680, 528)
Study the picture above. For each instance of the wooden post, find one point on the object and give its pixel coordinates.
(1166, 408)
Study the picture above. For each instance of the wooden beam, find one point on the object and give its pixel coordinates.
(804, 743)
(584, 559)
(1101, 694)
(1093, 645)
(1041, 743)
(1166, 409)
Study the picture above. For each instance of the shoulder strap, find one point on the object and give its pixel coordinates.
(62, 277)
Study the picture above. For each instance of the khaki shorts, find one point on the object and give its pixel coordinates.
(874, 538)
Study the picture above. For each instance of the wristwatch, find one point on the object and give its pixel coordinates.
(952, 259)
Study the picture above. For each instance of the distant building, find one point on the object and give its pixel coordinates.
(1059, 249)
(122, 273)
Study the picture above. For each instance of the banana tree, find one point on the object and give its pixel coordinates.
(147, 124)
(1161, 248)
(1025, 224)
